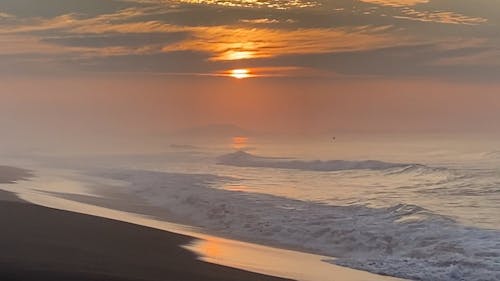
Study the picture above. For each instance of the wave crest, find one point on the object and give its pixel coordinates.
(404, 240)
(243, 159)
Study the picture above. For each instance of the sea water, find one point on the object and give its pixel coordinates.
(422, 209)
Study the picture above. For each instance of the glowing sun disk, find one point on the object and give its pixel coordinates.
(240, 73)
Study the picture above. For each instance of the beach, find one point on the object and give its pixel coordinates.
(268, 221)
(54, 236)
(40, 243)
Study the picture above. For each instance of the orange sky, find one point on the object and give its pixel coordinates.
(144, 68)
(155, 106)
(390, 38)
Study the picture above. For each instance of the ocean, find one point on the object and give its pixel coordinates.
(423, 208)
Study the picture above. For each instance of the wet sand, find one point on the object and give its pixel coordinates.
(77, 236)
(40, 243)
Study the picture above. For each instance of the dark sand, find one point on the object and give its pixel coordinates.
(38, 243)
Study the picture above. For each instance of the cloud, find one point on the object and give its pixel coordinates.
(224, 42)
(118, 39)
(417, 61)
(173, 63)
(391, 37)
(4, 16)
(273, 4)
(396, 3)
(439, 17)
(260, 21)
(54, 8)
(229, 43)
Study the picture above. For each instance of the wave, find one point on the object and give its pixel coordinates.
(420, 170)
(493, 155)
(184, 147)
(244, 159)
(406, 241)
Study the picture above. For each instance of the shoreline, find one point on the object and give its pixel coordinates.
(209, 248)
(42, 243)
(49, 244)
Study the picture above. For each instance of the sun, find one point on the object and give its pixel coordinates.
(240, 73)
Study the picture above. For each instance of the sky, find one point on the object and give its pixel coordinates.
(149, 67)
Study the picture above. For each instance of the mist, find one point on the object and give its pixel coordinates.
(114, 111)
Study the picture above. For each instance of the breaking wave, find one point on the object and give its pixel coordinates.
(404, 240)
(243, 159)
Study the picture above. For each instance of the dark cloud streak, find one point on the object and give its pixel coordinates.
(53, 8)
(118, 39)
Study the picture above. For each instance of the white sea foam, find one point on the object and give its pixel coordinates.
(243, 159)
(403, 240)
(494, 155)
